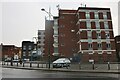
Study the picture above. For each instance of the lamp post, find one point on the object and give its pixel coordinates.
(48, 41)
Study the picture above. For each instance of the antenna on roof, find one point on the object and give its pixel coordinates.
(58, 6)
(83, 5)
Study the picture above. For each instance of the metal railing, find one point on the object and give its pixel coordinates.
(74, 66)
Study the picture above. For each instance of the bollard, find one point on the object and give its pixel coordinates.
(38, 65)
(11, 63)
(30, 64)
(93, 66)
(108, 65)
(23, 64)
(79, 66)
(17, 63)
(3, 63)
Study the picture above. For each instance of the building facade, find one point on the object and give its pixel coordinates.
(117, 44)
(41, 41)
(67, 38)
(49, 40)
(55, 36)
(83, 35)
(96, 39)
(27, 48)
(9, 51)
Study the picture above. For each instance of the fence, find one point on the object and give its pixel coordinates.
(78, 66)
(96, 66)
(26, 64)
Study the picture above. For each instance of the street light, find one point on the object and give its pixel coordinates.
(48, 41)
(49, 13)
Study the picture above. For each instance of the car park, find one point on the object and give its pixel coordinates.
(61, 62)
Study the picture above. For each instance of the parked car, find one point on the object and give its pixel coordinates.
(61, 62)
(7, 60)
(16, 60)
(26, 60)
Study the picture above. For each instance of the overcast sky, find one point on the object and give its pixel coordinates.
(20, 20)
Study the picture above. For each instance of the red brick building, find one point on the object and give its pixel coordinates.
(67, 33)
(84, 34)
(95, 34)
(48, 38)
(8, 51)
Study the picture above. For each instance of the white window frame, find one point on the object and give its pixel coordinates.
(88, 23)
(104, 15)
(96, 15)
(87, 15)
(99, 45)
(106, 25)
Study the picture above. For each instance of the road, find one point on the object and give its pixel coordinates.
(19, 73)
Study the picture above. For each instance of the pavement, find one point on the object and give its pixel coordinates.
(64, 69)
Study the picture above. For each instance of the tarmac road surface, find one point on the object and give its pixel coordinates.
(20, 74)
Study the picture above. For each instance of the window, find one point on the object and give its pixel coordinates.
(39, 33)
(107, 35)
(56, 32)
(99, 45)
(98, 35)
(29, 53)
(97, 25)
(96, 15)
(89, 34)
(108, 45)
(55, 40)
(24, 54)
(88, 25)
(55, 22)
(90, 45)
(55, 50)
(24, 47)
(104, 15)
(87, 15)
(30, 47)
(106, 25)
